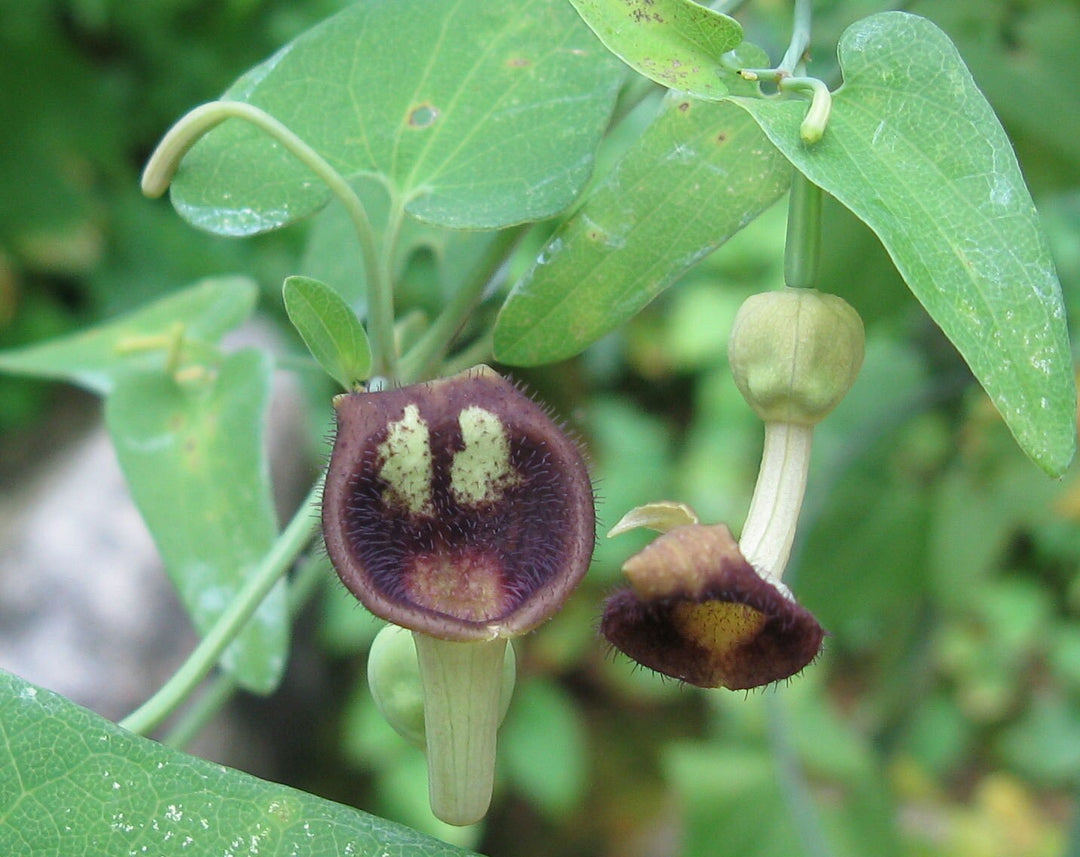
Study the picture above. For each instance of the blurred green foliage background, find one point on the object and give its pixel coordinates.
(944, 715)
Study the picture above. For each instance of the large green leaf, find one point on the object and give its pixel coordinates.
(698, 174)
(677, 43)
(74, 783)
(915, 151)
(139, 341)
(477, 113)
(195, 461)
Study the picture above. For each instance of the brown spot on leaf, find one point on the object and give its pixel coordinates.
(423, 115)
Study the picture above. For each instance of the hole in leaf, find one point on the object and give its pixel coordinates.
(423, 116)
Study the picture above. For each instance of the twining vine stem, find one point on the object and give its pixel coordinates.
(184, 134)
(800, 37)
(224, 685)
(280, 558)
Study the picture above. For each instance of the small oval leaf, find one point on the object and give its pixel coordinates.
(329, 328)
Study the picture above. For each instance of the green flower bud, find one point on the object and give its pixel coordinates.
(393, 674)
(795, 353)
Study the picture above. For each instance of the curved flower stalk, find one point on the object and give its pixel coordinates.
(459, 510)
(700, 607)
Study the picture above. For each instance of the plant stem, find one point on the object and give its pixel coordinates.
(218, 691)
(800, 37)
(802, 247)
(770, 525)
(380, 297)
(184, 134)
(791, 777)
(636, 89)
(293, 539)
(223, 686)
(424, 358)
(480, 351)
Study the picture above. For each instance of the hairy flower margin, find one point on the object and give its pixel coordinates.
(697, 611)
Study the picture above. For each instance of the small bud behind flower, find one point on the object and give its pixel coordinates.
(393, 674)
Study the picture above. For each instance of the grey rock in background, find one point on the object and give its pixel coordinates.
(85, 607)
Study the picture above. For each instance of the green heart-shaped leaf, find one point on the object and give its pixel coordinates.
(915, 150)
(699, 173)
(71, 783)
(194, 459)
(475, 113)
(677, 43)
(329, 328)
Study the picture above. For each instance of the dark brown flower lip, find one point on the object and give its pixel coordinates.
(712, 624)
(457, 507)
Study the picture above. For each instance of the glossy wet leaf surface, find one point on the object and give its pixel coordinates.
(676, 43)
(194, 458)
(72, 783)
(915, 151)
(699, 173)
(329, 328)
(139, 341)
(475, 114)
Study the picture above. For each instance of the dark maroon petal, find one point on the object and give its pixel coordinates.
(457, 507)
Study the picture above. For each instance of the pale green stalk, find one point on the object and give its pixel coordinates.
(224, 685)
(462, 709)
(769, 531)
(293, 539)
